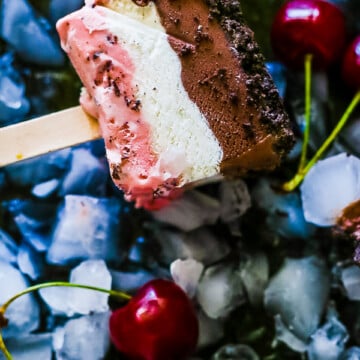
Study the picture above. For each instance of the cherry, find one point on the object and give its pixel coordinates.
(351, 64)
(304, 27)
(158, 323)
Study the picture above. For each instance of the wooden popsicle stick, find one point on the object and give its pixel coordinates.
(45, 134)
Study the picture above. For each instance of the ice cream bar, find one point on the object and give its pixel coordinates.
(179, 89)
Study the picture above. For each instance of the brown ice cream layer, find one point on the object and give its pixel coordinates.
(224, 74)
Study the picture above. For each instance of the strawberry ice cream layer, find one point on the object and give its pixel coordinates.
(156, 137)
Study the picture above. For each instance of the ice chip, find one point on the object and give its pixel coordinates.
(186, 273)
(70, 301)
(353, 353)
(94, 273)
(84, 338)
(319, 104)
(328, 342)
(285, 214)
(46, 188)
(88, 174)
(190, 212)
(30, 347)
(278, 72)
(350, 278)
(220, 290)
(200, 244)
(139, 250)
(254, 273)
(234, 199)
(34, 220)
(87, 228)
(60, 8)
(330, 186)
(211, 330)
(8, 247)
(30, 262)
(130, 281)
(299, 310)
(235, 352)
(32, 40)
(14, 105)
(283, 334)
(37, 170)
(24, 313)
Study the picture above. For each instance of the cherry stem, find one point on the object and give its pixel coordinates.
(298, 178)
(4, 349)
(30, 289)
(308, 71)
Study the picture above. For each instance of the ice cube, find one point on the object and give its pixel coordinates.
(200, 244)
(88, 175)
(235, 352)
(34, 220)
(87, 228)
(234, 200)
(94, 273)
(30, 262)
(350, 135)
(32, 40)
(353, 353)
(283, 334)
(211, 330)
(328, 342)
(36, 170)
(298, 293)
(329, 187)
(277, 71)
(46, 188)
(8, 247)
(350, 278)
(84, 338)
(319, 104)
(284, 211)
(24, 313)
(186, 273)
(139, 251)
(220, 290)
(69, 301)
(190, 212)
(30, 347)
(254, 273)
(130, 281)
(14, 105)
(60, 8)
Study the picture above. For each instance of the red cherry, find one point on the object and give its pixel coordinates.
(351, 64)
(158, 323)
(305, 27)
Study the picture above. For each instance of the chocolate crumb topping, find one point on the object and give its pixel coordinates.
(247, 114)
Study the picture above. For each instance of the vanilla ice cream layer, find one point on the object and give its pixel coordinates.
(156, 137)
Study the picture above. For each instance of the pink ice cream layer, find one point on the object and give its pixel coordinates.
(106, 70)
